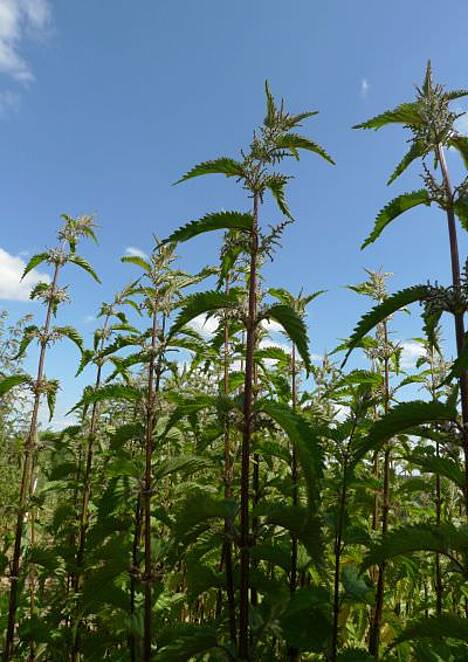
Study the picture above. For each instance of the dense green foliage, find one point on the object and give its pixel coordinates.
(219, 495)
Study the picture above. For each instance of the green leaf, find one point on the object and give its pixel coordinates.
(394, 209)
(196, 514)
(70, 333)
(223, 220)
(51, 394)
(443, 466)
(416, 151)
(306, 622)
(276, 184)
(293, 326)
(405, 540)
(455, 94)
(200, 303)
(221, 166)
(7, 383)
(307, 444)
(435, 627)
(461, 145)
(295, 142)
(297, 520)
(35, 261)
(30, 332)
(74, 258)
(271, 107)
(185, 641)
(406, 113)
(460, 208)
(109, 392)
(138, 261)
(401, 418)
(182, 464)
(383, 310)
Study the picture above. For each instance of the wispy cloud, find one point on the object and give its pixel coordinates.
(205, 325)
(11, 270)
(132, 251)
(411, 352)
(365, 87)
(20, 20)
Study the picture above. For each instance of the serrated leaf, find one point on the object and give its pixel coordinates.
(221, 166)
(460, 208)
(182, 464)
(276, 184)
(51, 394)
(443, 466)
(186, 641)
(405, 113)
(460, 143)
(109, 392)
(416, 151)
(7, 383)
(30, 332)
(138, 261)
(383, 310)
(223, 220)
(81, 262)
(405, 540)
(70, 333)
(401, 418)
(294, 327)
(295, 142)
(436, 627)
(35, 261)
(200, 303)
(394, 209)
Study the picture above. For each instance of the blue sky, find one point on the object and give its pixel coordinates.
(104, 104)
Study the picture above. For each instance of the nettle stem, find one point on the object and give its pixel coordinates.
(374, 634)
(246, 436)
(292, 651)
(27, 472)
(228, 475)
(147, 492)
(86, 496)
(459, 321)
(338, 550)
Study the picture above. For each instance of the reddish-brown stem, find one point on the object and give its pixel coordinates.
(246, 435)
(26, 477)
(459, 321)
(147, 493)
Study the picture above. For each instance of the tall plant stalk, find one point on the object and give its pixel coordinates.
(244, 542)
(458, 315)
(147, 491)
(374, 632)
(70, 233)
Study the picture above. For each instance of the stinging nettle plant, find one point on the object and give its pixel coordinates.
(432, 124)
(51, 295)
(275, 140)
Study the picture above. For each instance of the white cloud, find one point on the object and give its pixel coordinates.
(271, 326)
(365, 87)
(20, 19)
(411, 352)
(11, 270)
(135, 252)
(204, 325)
